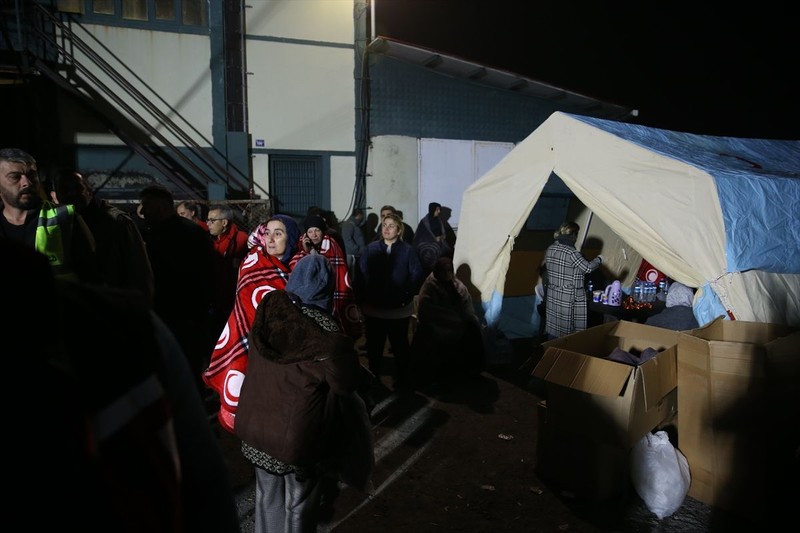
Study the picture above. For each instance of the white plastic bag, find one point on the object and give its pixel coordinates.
(660, 474)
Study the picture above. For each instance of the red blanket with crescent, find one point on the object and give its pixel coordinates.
(259, 274)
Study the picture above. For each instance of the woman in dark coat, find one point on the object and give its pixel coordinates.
(299, 410)
(448, 339)
(390, 278)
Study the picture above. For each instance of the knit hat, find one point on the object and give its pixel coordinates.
(315, 221)
(312, 281)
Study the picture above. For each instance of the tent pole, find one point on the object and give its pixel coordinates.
(585, 231)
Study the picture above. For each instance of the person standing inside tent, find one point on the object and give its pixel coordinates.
(566, 267)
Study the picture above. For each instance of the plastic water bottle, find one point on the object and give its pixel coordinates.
(637, 290)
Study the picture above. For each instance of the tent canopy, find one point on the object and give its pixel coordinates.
(717, 213)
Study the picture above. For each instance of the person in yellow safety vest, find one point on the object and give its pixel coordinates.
(58, 232)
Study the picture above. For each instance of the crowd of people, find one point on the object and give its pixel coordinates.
(285, 366)
(267, 323)
(116, 425)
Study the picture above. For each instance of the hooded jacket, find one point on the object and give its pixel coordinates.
(298, 359)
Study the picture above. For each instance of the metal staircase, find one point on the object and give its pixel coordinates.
(39, 40)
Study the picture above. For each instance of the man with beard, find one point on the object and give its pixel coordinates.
(28, 218)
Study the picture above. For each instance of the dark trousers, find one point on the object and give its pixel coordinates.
(396, 330)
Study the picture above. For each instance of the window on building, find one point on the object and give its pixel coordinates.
(103, 7)
(165, 9)
(70, 6)
(134, 9)
(194, 12)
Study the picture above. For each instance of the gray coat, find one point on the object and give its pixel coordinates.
(566, 297)
(353, 237)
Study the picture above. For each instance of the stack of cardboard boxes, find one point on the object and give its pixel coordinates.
(739, 415)
(726, 389)
(597, 409)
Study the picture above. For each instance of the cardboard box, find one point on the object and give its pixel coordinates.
(738, 401)
(610, 402)
(586, 469)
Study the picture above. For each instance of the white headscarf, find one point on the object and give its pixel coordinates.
(679, 294)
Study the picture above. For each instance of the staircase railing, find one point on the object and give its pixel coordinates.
(124, 108)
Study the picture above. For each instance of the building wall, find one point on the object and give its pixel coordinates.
(409, 103)
(392, 175)
(170, 69)
(343, 171)
(410, 100)
(300, 84)
(300, 87)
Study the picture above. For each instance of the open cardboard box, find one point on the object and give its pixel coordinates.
(610, 402)
(739, 402)
(587, 469)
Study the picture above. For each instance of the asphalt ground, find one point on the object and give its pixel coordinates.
(462, 457)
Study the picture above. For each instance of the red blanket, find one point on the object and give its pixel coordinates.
(259, 274)
(345, 308)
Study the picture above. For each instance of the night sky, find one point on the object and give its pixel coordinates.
(725, 71)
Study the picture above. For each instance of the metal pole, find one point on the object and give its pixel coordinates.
(372, 18)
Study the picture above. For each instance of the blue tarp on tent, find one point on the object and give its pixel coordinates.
(717, 213)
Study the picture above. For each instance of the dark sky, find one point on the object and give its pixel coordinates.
(718, 71)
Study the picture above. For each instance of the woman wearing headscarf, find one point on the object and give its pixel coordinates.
(264, 269)
(566, 267)
(678, 314)
(315, 240)
(303, 373)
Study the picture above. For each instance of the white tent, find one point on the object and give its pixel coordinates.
(718, 213)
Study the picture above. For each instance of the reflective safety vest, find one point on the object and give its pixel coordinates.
(54, 238)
